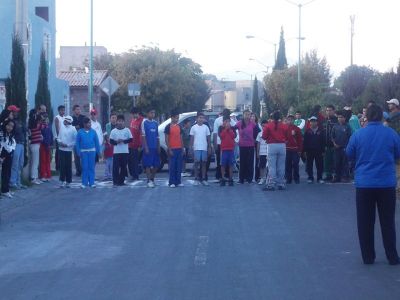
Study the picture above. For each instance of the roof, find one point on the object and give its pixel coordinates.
(81, 78)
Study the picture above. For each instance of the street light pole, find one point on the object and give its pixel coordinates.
(266, 41)
(91, 58)
(298, 65)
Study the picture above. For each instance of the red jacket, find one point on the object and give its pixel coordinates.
(274, 135)
(227, 138)
(136, 130)
(295, 139)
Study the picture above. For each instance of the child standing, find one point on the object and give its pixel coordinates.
(87, 145)
(227, 135)
(294, 147)
(120, 137)
(6, 155)
(66, 141)
(314, 147)
(200, 144)
(262, 154)
(151, 147)
(173, 140)
(45, 150)
(108, 153)
(341, 133)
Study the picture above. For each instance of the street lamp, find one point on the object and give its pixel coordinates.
(251, 75)
(91, 58)
(299, 5)
(264, 65)
(266, 41)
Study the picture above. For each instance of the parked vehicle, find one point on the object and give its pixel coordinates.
(210, 117)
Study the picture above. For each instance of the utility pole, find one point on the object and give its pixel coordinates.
(91, 58)
(352, 19)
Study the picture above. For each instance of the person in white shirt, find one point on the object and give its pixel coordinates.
(96, 126)
(120, 137)
(262, 154)
(66, 140)
(200, 144)
(217, 141)
(58, 124)
(299, 122)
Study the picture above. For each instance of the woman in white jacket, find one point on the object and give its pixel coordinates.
(66, 142)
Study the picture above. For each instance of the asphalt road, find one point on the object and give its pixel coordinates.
(188, 243)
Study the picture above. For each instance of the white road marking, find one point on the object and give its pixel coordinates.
(200, 258)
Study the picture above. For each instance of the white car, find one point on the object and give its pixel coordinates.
(210, 118)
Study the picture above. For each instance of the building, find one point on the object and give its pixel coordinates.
(79, 92)
(235, 95)
(35, 23)
(77, 57)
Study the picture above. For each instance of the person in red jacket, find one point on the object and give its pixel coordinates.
(136, 144)
(294, 147)
(227, 135)
(276, 135)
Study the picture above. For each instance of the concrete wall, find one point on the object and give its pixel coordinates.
(74, 56)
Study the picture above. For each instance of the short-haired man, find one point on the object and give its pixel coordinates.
(330, 121)
(112, 124)
(136, 144)
(78, 124)
(58, 124)
(299, 121)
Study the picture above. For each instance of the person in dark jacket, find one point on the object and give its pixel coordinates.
(341, 133)
(375, 149)
(314, 147)
(330, 121)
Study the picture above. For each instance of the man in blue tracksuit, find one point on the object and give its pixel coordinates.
(375, 150)
(87, 145)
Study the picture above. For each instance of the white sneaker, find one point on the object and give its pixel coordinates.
(36, 181)
(8, 195)
(63, 184)
(196, 182)
(67, 185)
(150, 184)
(172, 186)
(205, 183)
(83, 186)
(321, 181)
(180, 185)
(261, 182)
(93, 186)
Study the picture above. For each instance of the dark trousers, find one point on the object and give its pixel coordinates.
(120, 162)
(316, 156)
(6, 172)
(257, 169)
(246, 171)
(65, 160)
(341, 163)
(57, 156)
(218, 174)
(78, 166)
(292, 166)
(367, 200)
(175, 167)
(133, 163)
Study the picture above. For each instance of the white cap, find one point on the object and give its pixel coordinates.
(68, 119)
(393, 101)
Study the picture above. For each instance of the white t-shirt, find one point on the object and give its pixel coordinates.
(200, 134)
(263, 144)
(60, 121)
(121, 134)
(217, 123)
(97, 127)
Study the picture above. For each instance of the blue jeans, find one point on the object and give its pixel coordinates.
(88, 161)
(175, 167)
(17, 165)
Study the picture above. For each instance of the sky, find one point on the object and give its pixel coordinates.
(213, 32)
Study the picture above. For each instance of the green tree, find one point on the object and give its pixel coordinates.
(255, 101)
(281, 61)
(16, 82)
(42, 95)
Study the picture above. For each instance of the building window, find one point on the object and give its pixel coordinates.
(42, 12)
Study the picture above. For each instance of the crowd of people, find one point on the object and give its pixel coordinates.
(269, 153)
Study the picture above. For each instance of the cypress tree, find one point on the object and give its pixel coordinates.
(255, 102)
(42, 95)
(16, 82)
(281, 61)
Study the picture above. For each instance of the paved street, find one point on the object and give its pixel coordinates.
(187, 243)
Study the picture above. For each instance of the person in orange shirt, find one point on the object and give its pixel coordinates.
(173, 140)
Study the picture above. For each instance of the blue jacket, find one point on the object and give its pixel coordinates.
(375, 150)
(87, 140)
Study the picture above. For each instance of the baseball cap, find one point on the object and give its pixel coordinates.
(393, 101)
(93, 112)
(13, 108)
(68, 119)
(313, 118)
